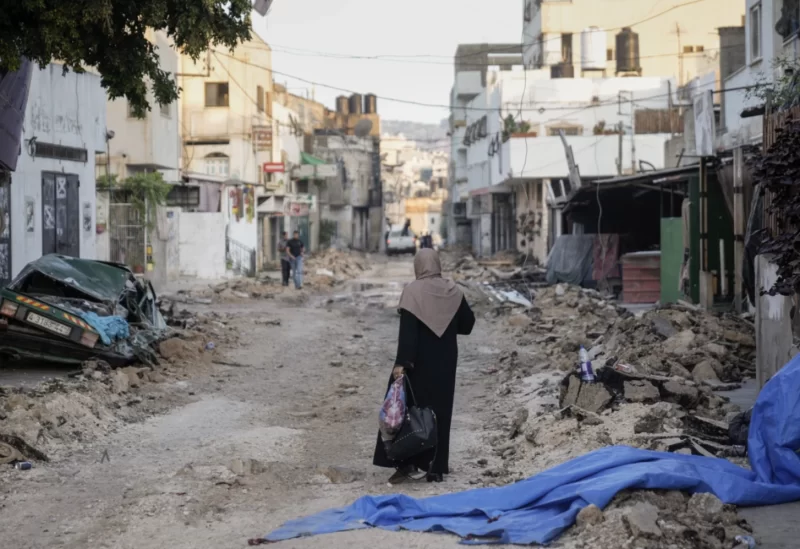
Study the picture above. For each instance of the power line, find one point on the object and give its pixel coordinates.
(613, 101)
(497, 50)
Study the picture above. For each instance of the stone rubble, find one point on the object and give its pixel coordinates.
(660, 382)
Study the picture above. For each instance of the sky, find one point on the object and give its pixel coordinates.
(316, 39)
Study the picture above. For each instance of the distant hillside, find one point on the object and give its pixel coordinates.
(416, 131)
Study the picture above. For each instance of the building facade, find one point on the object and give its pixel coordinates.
(227, 137)
(674, 38)
(49, 202)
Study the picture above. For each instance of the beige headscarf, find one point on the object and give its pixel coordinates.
(431, 298)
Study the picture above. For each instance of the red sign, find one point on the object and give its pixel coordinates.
(273, 167)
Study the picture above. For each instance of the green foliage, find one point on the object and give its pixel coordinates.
(327, 232)
(145, 191)
(511, 126)
(110, 35)
(782, 90)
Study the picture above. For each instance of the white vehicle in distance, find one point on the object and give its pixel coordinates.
(396, 243)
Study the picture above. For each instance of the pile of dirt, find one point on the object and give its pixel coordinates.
(330, 266)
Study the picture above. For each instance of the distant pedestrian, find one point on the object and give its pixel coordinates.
(283, 243)
(296, 251)
(433, 311)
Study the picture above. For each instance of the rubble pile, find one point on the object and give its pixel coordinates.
(331, 266)
(657, 520)
(660, 381)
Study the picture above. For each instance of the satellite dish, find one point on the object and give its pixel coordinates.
(363, 127)
(262, 6)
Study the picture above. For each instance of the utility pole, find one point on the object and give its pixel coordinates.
(633, 132)
(680, 55)
(621, 134)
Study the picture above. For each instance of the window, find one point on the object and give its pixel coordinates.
(218, 164)
(755, 33)
(566, 49)
(699, 49)
(789, 22)
(217, 94)
(688, 49)
(609, 55)
(183, 196)
(165, 110)
(260, 98)
(301, 186)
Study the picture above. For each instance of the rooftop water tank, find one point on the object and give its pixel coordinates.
(628, 52)
(343, 104)
(593, 49)
(356, 103)
(370, 103)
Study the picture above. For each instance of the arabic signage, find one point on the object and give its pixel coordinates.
(273, 167)
(307, 171)
(476, 131)
(300, 205)
(262, 137)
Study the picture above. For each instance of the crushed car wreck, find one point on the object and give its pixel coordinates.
(69, 310)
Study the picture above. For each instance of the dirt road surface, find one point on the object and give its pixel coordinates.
(245, 448)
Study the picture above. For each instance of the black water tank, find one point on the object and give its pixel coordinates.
(356, 104)
(343, 104)
(628, 52)
(562, 70)
(370, 103)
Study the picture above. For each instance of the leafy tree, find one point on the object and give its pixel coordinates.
(109, 35)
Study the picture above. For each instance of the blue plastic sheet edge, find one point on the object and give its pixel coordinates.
(540, 508)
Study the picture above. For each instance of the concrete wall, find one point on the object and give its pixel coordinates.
(202, 245)
(63, 109)
(531, 200)
(774, 339)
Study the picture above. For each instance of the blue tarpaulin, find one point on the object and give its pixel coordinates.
(111, 328)
(539, 509)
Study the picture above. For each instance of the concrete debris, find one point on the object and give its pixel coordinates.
(641, 391)
(329, 267)
(342, 475)
(589, 516)
(641, 521)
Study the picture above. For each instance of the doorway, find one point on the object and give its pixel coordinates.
(60, 214)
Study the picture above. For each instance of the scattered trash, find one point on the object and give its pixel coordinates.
(23, 465)
(747, 542)
(210, 346)
(586, 371)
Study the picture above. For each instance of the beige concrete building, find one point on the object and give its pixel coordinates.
(675, 37)
(147, 144)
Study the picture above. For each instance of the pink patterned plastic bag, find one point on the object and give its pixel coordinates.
(393, 411)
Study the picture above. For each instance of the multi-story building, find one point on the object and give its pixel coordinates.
(769, 47)
(48, 203)
(227, 135)
(137, 145)
(472, 63)
(674, 38)
(517, 173)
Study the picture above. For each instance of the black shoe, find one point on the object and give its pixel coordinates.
(434, 477)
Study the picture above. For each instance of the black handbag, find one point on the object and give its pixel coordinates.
(418, 433)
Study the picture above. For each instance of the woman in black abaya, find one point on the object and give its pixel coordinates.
(433, 311)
